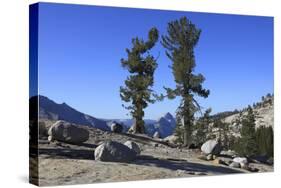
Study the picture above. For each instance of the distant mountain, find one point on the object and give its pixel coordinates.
(48, 109)
(127, 123)
(51, 110)
(166, 125)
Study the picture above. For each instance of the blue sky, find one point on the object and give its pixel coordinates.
(80, 48)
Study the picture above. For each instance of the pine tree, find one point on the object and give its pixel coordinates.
(264, 139)
(223, 130)
(202, 128)
(141, 66)
(180, 41)
(226, 138)
(247, 142)
(232, 142)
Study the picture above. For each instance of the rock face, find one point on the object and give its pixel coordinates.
(166, 125)
(116, 127)
(134, 146)
(67, 132)
(211, 147)
(112, 151)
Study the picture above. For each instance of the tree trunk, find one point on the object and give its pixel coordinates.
(138, 126)
(186, 133)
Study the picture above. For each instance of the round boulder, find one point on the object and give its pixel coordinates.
(111, 151)
(171, 139)
(211, 147)
(66, 132)
(134, 146)
(116, 127)
(240, 160)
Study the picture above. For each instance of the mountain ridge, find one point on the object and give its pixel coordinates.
(49, 109)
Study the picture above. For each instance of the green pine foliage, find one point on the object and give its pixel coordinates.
(201, 128)
(264, 139)
(232, 142)
(181, 38)
(138, 86)
(223, 133)
(247, 145)
(178, 133)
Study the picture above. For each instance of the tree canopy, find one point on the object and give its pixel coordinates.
(181, 38)
(138, 85)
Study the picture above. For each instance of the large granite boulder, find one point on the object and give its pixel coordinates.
(134, 146)
(240, 160)
(67, 132)
(211, 147)
(112, 151)
(171, 139)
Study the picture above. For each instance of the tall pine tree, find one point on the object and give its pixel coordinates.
(264, 138)
(202, 128)
(247, 143)
(137, 90)
(223, 132)
(180, 41)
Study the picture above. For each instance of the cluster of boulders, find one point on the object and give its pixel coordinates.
(212, 151)
(109, 151)
(112, 151)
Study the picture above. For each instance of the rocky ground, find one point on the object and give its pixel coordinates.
(62, 163)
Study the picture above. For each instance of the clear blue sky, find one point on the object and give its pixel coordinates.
(80, 48)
